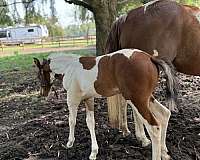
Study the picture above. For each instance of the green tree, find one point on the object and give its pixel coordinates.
(55, 30)
(104, 12)
(123, 8)
(5, 19)
(190, 2)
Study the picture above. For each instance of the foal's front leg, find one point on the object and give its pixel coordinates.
(72, 103)
(91, 126)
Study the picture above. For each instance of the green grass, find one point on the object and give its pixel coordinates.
(24, 62)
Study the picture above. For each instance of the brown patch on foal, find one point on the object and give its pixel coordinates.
(105, 84)
(88, 62)
(135, 78)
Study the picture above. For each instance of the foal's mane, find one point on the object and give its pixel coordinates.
(60, 61)
(62, 56)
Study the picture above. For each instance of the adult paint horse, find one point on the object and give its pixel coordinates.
(133, 73)
(165, 27)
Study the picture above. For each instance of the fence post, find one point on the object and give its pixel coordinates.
(59, 39)
(73, 41)
(42, 42)
(1, 46)
(87, 40)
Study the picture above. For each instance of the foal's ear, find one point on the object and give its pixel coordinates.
(37, 62)
(47, 60)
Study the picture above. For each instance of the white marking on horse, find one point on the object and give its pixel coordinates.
(155, 53)
(197, 15)
(148, 4)
(123, 18)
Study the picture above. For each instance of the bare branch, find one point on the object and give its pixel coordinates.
(124, 2)
(80, 3)
(5, 5)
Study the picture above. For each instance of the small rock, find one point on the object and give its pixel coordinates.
(60, 123)
(197, 119)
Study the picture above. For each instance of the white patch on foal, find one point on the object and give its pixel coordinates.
(148, 4)
(126, 52)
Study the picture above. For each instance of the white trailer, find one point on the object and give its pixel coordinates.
(23, 34)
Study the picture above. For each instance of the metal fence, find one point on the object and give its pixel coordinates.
(49, 42)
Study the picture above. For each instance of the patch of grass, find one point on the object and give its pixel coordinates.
(25, 61)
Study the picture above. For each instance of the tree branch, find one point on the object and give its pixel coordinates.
(124, 2)
(80, 3)
(6, 5)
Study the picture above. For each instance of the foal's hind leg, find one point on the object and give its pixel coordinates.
(72, 103)
(139, 130)
(163, 114)
(152, 125)
(91, 125)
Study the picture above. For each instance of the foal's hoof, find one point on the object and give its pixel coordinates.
(70, 144)
(165, 156)
(126, 133)
(145, 142)
(93, 155)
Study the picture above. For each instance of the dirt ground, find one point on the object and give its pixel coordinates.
(33, 128)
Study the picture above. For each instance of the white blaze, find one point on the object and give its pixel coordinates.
(148, 4)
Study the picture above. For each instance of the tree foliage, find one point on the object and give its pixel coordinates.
(5, 19)
(80, 30)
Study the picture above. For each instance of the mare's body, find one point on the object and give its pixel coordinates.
(165, 27)
(169, 28)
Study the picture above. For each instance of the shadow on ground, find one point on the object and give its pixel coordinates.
(32, 128)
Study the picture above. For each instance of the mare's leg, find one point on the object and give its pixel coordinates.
(163, 114)
(152, 125)
(91, 125)
(139, 130)
(72, 103)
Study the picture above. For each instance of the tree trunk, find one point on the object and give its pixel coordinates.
(104, 15)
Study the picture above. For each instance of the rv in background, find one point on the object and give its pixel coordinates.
(23, 34)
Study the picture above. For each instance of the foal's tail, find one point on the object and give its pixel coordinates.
(172, 84)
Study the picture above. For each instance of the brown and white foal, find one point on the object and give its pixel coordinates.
(131, 72)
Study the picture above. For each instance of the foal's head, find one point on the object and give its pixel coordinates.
(44, 76)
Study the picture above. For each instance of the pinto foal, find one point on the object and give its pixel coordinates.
(131, 72)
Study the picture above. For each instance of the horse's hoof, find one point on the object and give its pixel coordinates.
(70, 144)
(126, 133)
(93, 155)
(145, 142)
(165, 156)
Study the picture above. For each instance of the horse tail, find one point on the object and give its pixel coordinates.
(171, 80)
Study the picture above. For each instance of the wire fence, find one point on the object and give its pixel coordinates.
(49, 42)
